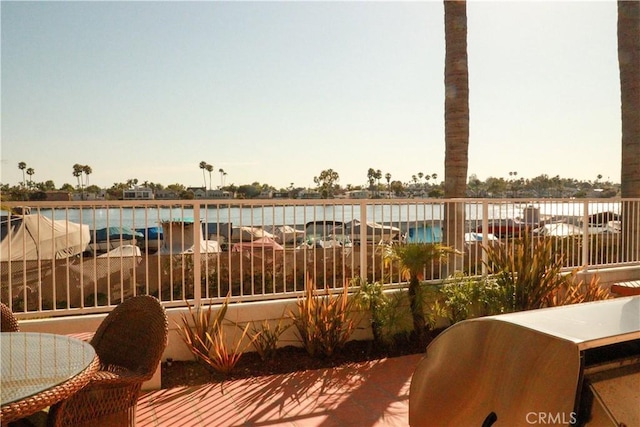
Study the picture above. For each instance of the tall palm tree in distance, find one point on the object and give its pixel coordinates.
(77, 172)
(209, 169)
(629, 65)
(22, 166)
(203, 166)
(221, 171)
(30, 172)
(456, 123)
(87, 171)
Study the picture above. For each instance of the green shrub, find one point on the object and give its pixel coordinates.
(370, 296)
(467, 297)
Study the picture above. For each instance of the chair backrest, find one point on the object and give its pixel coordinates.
(133, 335)
(8, 322)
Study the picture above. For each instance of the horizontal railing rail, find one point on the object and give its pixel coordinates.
(65, 258)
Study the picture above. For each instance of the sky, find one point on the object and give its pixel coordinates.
(276, 92)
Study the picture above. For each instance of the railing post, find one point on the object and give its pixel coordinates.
(363, 240)
(197, 233)
(585, 235)
(485, 236)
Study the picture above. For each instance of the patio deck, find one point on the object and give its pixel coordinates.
(367, 394)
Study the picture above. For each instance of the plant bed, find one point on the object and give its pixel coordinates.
(287, 359)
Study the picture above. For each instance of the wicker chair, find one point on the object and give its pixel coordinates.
(8, 322)
(129, 342)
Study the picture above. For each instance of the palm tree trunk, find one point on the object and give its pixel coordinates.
(417, 310)
(629, 64)
(456, 117)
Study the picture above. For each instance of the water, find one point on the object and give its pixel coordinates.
(246, 216)
(139, 217)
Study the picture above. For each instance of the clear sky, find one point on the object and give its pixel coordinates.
(276, 92)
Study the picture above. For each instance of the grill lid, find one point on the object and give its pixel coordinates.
(519, 368)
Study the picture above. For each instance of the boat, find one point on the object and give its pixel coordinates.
(374, 232)
(178, 238)
(249, 234)
(326, 242)
(151, 239)
(37, 237)
(108, 238)
(30, 247)
(285, 233)
(266, 244)
(111, 273)
(321, 228)
(507, 227)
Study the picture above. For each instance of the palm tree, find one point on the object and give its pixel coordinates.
(387, 176)
(456, 122)
(77, 175)
(78, 169)
(378, 177)
(221, 171)
(30, 172)
(209, 169)
(629, 65)
(203, 166)
(87, 171)
(413, 259)
(22, 166)
(371, 176)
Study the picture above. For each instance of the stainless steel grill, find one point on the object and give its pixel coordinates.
(571, 365)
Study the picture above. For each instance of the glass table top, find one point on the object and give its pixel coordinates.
(34, 362)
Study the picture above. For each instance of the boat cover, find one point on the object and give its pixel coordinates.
(116, 233)
(36, 237)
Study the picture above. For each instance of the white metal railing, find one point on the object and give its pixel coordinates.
(86, 256)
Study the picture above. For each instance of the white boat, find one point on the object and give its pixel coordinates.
(106, 239)
(178, 238)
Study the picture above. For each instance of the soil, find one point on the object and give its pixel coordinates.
(287, 359)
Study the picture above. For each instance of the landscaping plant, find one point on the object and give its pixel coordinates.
(324, 322)
(527, 270)
(414, 259)
(531, 275)
(207, 339)
(204, 321)
(466, 297)
(265, 340)
(578, 292)
(222, 357)
(371, 297)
